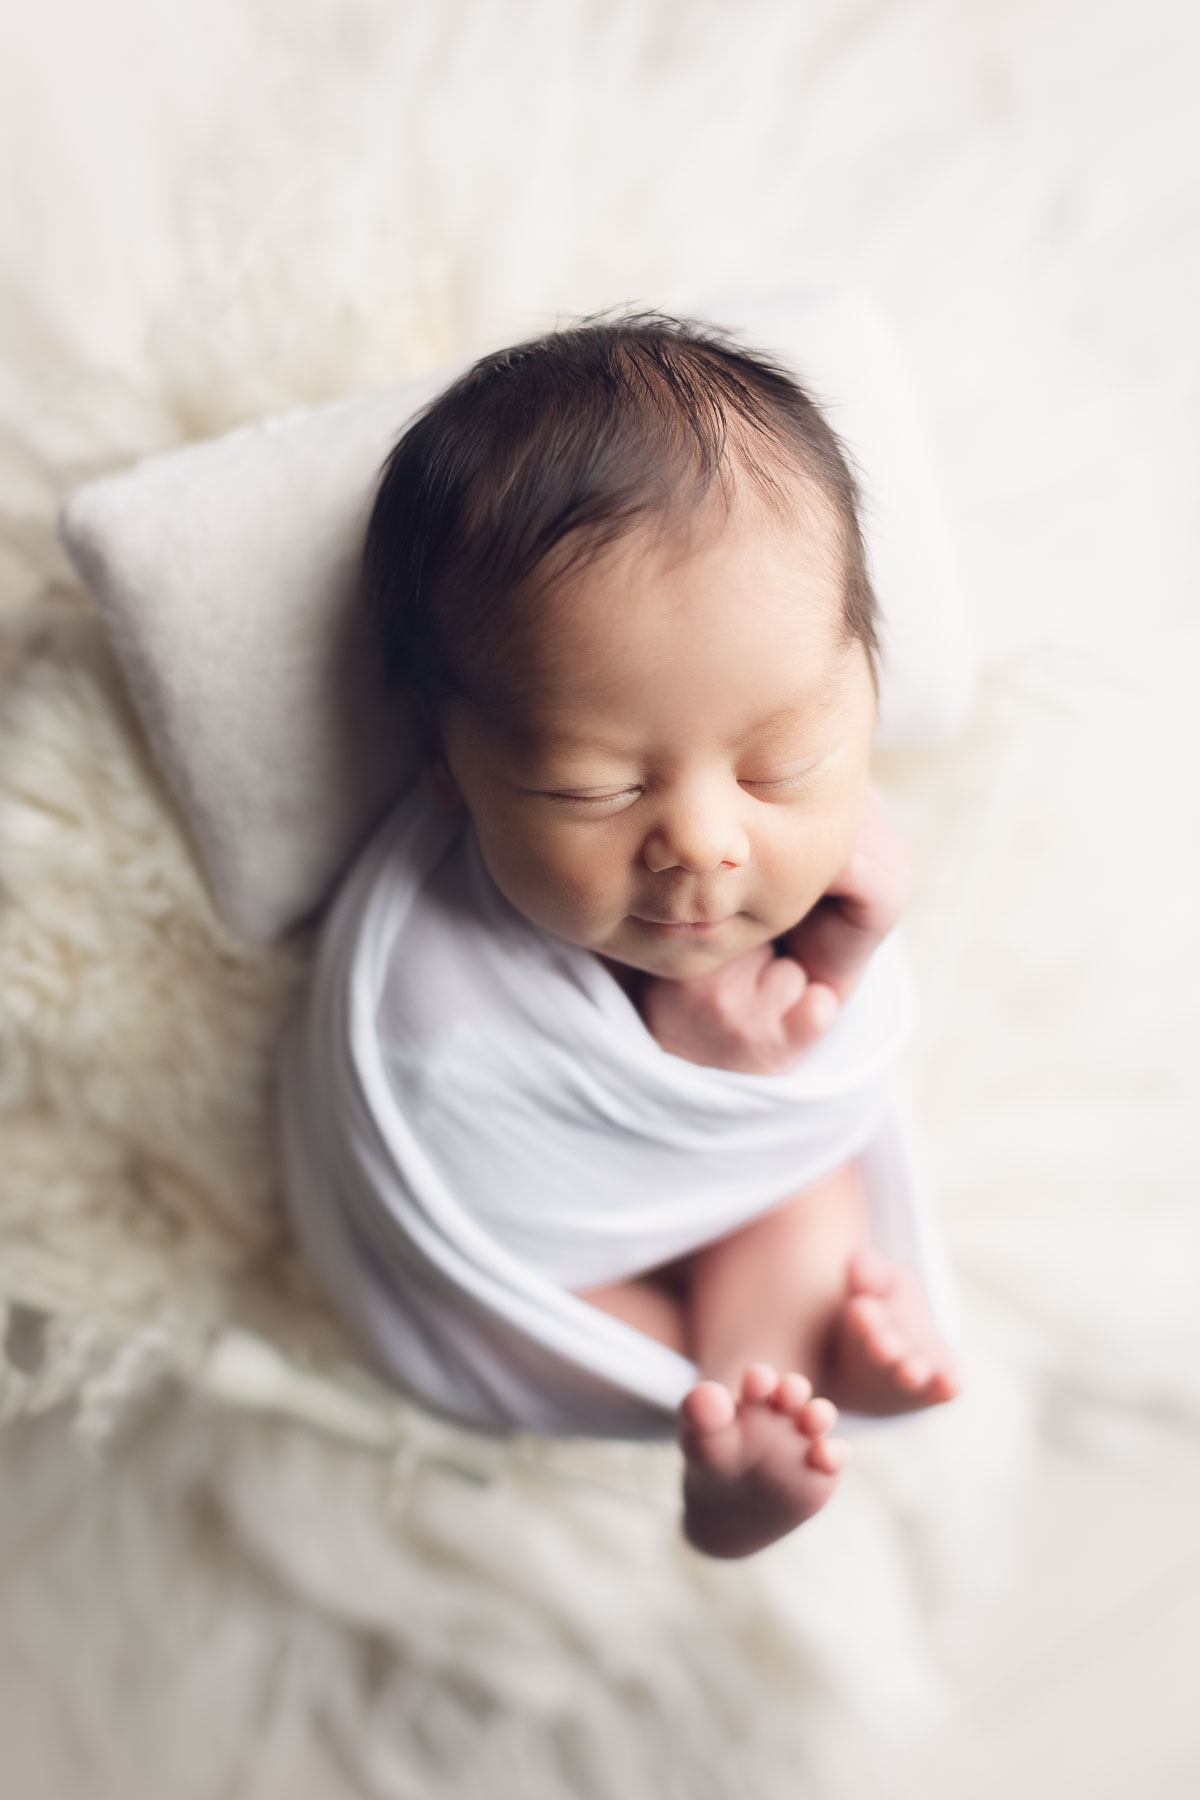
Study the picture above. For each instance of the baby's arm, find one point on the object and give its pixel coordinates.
(760, 1012)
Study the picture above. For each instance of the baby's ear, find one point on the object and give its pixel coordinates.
(441, 786)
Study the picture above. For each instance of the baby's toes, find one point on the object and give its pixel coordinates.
(868, 1325)
(942, 1386)
(827, 1455)
(710, 1434)
(792, 1394)
(916, 1375)
(817, 1417)
(759, 1383)
(870, 1272)
(707, 1407)
(912, 1374)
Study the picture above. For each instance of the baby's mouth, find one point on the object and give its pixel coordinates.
(681, 927)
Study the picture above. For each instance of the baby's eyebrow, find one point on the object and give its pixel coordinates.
(565, 739)
(794, 713)
(815, 705)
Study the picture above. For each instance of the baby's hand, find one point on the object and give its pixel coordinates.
(834, 942)
(759, 1013)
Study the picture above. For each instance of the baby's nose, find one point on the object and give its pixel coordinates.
(697, 836)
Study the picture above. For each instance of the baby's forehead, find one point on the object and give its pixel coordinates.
(739, 613)
(739, 558)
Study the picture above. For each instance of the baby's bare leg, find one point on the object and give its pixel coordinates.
(763, 1299)
(648, 1304)
(795, 1291)
(800, 1288)
(768, 1293)
(772, 1291)
(766, 1298)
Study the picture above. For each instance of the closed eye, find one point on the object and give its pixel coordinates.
(599, 802)
(784, 785)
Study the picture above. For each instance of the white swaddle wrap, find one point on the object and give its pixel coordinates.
(476, 1121)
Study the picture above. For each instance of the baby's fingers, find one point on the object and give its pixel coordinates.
(811, 1016)
(781, 983)
(793, 1009)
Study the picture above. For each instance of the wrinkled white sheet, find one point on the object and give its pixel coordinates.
(476, 1122)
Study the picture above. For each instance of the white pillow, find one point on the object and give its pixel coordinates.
(227, 574)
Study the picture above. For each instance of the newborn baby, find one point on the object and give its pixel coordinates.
(619, 577)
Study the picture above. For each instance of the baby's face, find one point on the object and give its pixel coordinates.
(685, 768)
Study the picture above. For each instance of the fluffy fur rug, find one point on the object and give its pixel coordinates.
(275, 208)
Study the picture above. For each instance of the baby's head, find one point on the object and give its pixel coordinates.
(619, 577)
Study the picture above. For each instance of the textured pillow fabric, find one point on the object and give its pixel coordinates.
(227, 574)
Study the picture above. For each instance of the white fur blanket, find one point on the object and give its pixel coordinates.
(212, 212)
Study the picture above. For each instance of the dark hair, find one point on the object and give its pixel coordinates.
(562, 445)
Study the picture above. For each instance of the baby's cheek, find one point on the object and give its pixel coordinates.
(814, 854)
(586, 892)
(558, 891)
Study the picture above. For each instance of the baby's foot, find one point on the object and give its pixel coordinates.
(757, 1466)
(886, 1354)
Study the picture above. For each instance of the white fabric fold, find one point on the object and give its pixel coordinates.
(476, 1122)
